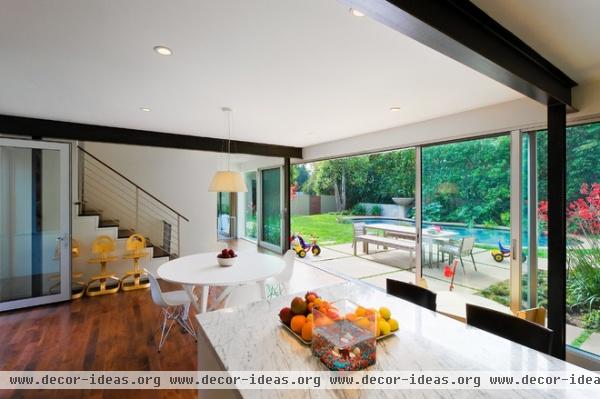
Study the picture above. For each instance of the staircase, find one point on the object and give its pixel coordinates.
(119, 203)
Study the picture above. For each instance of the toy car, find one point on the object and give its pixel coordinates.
(503, 252)
(301, 247)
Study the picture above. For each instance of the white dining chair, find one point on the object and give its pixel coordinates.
(243, 295)
(175, 307)
(279, 284)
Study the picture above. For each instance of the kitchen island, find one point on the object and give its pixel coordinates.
(252, 338)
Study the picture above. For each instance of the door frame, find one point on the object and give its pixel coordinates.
(65, 222)
(259, 210)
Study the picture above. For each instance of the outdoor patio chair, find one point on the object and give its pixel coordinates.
(459, 248)
(359, 230)
(513, 328)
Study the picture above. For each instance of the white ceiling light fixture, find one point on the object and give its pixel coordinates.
(162, 50)
(394, 109)
(227, 181)
(356, 13)
(145, 109)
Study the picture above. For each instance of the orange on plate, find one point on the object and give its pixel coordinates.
(323, 321)
(363, 322)
(307, 331)
(297, 323)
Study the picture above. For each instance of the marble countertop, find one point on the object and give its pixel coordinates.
(251, 338)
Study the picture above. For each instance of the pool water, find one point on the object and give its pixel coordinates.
(483, 235)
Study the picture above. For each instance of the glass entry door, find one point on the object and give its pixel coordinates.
(271, 205)
(35, 240)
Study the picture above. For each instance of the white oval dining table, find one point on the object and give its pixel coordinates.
(202, 270)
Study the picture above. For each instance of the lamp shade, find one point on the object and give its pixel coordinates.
(225, 181)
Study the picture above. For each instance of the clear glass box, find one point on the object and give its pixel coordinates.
(344, 339)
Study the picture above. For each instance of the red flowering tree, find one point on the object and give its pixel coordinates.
(583, 214)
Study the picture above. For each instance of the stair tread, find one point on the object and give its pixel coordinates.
(125, 233)
(109, 223)
(89, 213)
(159, 253)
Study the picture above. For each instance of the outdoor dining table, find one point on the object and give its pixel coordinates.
(202, 270)
(410, 232)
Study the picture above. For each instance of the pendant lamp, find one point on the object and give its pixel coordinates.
(227, 181)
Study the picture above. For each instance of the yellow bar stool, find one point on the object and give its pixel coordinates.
(103, 248)
(136, 249)
(77, 286)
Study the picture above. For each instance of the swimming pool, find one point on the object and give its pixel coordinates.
(483, 235)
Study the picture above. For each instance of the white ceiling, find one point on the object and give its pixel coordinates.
(565, 32)
(295, 73)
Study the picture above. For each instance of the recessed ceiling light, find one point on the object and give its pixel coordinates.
(394, 109)
(356, 13)
(162, 50)
(145, 109)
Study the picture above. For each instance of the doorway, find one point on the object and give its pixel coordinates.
(35, 255)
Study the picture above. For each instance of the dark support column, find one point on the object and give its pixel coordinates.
(286, 204)
(557, 230)
(36, 223)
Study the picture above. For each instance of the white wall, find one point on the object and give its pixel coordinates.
(179, 178)
(519, 114)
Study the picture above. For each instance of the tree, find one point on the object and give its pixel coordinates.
(341, 177)
(300, 176)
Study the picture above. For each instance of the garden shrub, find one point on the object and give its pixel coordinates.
(592, 320)
(432, 212)
(376, 210)
(583, 283)
(500, 292)
(359, 210)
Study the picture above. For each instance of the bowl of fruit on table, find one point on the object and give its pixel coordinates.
(226, 257)
(298, 317)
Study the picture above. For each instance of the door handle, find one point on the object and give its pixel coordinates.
(514, 249)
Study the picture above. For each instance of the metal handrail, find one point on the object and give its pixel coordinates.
(128, 203)
(135, 185)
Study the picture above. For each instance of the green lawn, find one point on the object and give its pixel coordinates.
(325, 227)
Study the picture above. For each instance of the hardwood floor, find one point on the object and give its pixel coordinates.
(113, 332)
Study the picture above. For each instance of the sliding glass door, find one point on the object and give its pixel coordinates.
(465, 203)
(250, 201)
(35, 247)
(224, 215)
(534, 239)
(271, 205)
(583, 238)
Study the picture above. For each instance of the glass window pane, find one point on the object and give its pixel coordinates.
(29, 223)
(583, 237)
(250, 206)
(223, 215)
(271, 206)
(466, 217)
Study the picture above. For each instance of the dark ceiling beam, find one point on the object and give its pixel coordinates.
(43, 128)
(463, 32)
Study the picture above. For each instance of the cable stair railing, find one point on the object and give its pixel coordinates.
(121, 202)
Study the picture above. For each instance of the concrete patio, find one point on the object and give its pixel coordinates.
(380, 264)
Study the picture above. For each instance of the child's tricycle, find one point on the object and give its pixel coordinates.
(503, 252)
(301, 247)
